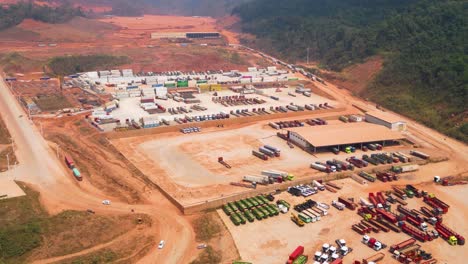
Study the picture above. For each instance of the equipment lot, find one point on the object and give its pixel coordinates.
(129, 108)
(198, 176)
(272, 240)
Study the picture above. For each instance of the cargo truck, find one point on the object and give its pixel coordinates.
(405, 168)
(318, 185)
(419, 154)
(69, 161)
(77, 174)
(259, 155)
(320, 167)
(256, 179)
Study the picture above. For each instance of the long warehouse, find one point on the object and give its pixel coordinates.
(319, 138)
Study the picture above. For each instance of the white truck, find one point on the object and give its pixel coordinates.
(318, 185)
(338, 205)
(365, 202)
(257, 179)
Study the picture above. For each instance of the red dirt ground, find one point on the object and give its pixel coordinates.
(355, 78)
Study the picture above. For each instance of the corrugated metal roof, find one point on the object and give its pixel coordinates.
(342, 134)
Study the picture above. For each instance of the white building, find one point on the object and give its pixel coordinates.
(386, 119)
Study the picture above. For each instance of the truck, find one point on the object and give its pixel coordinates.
(278, 174)
(296, 253)
(259, 155)
(257, 179)
(374, 258)
(366, 176)
(365, 202)
(297, 220)
(373, 243)
(276, 150)
(267, 152)
(338, 205)
(302, 259)
(69, 161)
(419, 154)
(405, 168)
(77, 174)
(350, 205)
(318, 185)
(417, 234)
(320, 167)
(402, 245)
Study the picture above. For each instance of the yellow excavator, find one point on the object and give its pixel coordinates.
(297, 220)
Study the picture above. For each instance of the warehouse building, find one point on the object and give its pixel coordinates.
(203, 35)
(386, 119)
(323, 138)
(182, 35)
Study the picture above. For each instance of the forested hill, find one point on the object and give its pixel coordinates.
(425, 74)
(14, 14)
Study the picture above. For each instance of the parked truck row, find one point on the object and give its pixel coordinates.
(249, 209)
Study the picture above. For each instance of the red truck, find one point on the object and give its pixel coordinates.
(296, 253)
(69, 161)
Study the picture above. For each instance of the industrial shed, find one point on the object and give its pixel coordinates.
(386, 119)
(317, 138)
(198, 35)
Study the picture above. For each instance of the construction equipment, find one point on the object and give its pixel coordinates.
(221, 160)
(297, 220)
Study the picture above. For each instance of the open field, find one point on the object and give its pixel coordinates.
(29, 233)
(126, 36)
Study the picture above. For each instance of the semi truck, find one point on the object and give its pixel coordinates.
(405, 168)
(257, 179)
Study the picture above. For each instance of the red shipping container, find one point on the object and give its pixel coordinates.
(296, 253)
(337, 261)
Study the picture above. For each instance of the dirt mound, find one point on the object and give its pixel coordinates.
(356, 78)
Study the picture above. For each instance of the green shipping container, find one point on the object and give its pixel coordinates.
(293, 79)
(202, 81)
(300, 260)
(182, 83)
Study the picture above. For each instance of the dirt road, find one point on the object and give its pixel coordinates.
(40, 167)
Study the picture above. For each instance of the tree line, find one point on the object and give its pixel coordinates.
(425, 74)
(14, 14)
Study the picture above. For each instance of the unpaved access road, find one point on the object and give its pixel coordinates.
(39, 167)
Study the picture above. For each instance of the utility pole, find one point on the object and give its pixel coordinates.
(8, 162)
(307, 56)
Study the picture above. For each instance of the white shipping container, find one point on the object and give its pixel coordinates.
(271, 69)
(252, 69)
(245, 80)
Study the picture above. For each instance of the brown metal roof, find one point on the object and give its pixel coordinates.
(342, 134)
(385, 116)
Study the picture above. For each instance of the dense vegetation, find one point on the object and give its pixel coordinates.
(212, 8)
(67, 65)
(14, 14)
(425, 74)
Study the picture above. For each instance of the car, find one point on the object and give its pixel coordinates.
(201, 246)
(106, 202)
(161, 244)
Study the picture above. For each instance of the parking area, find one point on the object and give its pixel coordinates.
(271, 240)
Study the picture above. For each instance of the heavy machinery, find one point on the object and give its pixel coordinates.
(221, 160)
(297, 220)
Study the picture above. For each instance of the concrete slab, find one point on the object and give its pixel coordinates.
(9, 188)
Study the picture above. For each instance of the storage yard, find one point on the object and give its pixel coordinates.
(289, 165)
